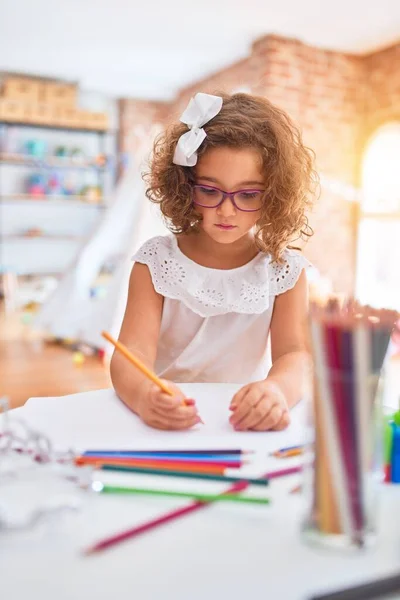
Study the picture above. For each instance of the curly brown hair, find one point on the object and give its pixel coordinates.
(245, 121)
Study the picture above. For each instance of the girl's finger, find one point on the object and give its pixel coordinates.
(270, 420)
(259, 412)
(181, 413)
(164, 401)
(283, 423)
(169, 423)
(238, 397)
(246, 405)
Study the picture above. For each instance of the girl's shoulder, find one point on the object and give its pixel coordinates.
(159, 243)
(284, 275)
(209, 292)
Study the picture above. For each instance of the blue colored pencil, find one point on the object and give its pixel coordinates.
(167, 452)
(181, 457)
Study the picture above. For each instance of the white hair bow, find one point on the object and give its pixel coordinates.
(201, 109)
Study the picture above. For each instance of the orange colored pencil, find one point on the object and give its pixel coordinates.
(167, 466)
(288, 453)
(139, 365)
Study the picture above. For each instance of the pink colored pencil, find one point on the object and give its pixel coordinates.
(283, 472)
(180, 512)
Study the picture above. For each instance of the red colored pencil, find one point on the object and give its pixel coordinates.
(176, 514)
(166, 518)
(284, 472)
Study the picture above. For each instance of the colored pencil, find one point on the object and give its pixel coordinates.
(207, 469)
(161, 461)
(169, 453)
(328, 421)
(239, 486)
(184, 475)
(349, 344)
(166, 518)
(288, 453)
(288, 448)
(284, 472)
(138, 364)
(111, 489)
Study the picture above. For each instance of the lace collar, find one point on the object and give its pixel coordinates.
(209, 292)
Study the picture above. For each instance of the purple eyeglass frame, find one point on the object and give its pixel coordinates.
(230, 195)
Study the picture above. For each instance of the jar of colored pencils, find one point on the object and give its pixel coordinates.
(349, 345)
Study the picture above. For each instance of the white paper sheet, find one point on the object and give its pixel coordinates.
(99, 420)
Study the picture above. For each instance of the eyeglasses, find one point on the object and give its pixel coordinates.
(212, 197)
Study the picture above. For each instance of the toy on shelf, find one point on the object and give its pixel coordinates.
(61, 151)
(54, 184)
(33, 232)
(101, 161)
(35, 148)
(92, 193)
(36, 185)
(68, 188)
(77, 155)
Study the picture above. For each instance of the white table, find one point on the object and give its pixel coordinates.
(221, 551)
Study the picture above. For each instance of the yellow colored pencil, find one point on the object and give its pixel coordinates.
(139, 365)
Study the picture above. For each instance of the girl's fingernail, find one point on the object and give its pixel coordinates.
(190, 401)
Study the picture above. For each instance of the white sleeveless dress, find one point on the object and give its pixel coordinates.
(215, 323)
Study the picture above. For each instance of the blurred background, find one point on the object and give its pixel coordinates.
(84, 88)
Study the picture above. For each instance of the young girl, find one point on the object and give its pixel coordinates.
(233, 180)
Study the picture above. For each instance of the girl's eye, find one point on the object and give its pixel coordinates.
(249, 195)
(207, 191)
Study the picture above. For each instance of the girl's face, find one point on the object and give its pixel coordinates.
(229, 170)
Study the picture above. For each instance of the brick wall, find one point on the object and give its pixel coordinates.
(382, 80)
(139, 122)
(336, 99)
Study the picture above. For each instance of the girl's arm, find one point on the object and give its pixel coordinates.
(264, 405)
(290, 359)
(139, 333)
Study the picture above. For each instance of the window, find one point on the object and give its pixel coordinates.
(378, 252)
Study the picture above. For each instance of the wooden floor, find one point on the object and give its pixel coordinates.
(29, 367)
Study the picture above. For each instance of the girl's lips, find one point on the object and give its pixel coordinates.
(222, 226)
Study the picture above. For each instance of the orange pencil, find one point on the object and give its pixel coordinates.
(138, 364)
(288, 453)
(170, 466)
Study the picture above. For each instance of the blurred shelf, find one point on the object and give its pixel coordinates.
(21, 237)
(53, 199)
(49, 162)
(56, 127)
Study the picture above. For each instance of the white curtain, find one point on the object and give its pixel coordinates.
(71, 312)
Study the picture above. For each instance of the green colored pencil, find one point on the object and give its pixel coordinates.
(186, 475)
(112, 489)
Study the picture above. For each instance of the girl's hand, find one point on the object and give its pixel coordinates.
(260, 406)
(162, 411)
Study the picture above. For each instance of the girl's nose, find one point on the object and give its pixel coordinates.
(227, 208)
